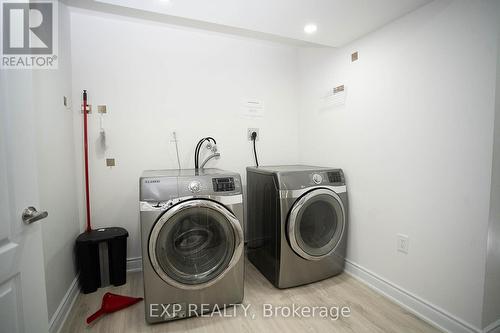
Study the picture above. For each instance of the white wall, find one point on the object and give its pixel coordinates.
(491, 308)
(57, 173)
(155, 79)
(415, 140)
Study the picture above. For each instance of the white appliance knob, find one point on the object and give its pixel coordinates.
(194, 186)
(317, 179)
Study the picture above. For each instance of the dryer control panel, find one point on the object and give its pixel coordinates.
(335, 176)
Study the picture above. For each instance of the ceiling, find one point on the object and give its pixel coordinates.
(338, 21)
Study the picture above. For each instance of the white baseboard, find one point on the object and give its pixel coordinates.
(134, 264)
(64, 308)
(421, 308)
(493, 327)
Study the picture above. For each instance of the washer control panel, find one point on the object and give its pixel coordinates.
(317, 179)
(163, 186)
(225, 184)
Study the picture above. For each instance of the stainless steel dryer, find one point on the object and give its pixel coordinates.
(192, 242)
(297, 223)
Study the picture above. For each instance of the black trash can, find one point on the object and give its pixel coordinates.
(101, 257)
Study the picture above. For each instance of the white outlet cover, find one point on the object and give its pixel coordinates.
(403, 244)
(250, 131)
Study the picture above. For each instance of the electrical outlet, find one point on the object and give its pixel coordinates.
(403, 243)
(250, 131)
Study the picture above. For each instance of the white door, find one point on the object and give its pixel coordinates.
(23, 302)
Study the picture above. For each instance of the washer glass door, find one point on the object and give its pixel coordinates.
(195, 243)
(316, 224)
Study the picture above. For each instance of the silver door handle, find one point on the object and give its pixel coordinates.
(31, 215)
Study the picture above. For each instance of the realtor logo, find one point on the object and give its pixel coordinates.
(29, 34)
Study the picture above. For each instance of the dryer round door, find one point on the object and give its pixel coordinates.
(316, 224)
(195, 243)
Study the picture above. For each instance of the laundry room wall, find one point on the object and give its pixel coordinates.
(491, 307)
(414, 137)
(156, 79)
(57, 170)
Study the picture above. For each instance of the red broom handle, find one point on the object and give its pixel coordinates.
(86, 154)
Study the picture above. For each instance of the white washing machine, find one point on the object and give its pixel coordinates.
(192, 242)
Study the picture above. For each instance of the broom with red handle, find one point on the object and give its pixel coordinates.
(86, 158)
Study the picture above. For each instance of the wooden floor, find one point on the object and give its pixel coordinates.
(370, 312)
